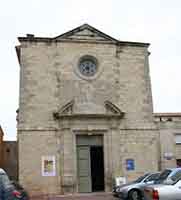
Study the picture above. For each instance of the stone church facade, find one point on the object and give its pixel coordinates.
(86, 113)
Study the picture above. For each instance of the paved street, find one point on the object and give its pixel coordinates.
(92, 196)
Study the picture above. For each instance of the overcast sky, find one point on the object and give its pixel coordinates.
(156, 21)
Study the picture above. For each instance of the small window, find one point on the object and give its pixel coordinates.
(88, 66)
(178, 162)
(130, 164)
(178, 138)
(169, 119)
(8, 150)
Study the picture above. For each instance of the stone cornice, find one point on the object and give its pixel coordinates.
(88, 116)
(177, 114)
(22, 129)
(57, 129)
(50, 40)
(139, 129)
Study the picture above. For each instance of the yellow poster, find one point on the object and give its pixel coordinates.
(48, 166)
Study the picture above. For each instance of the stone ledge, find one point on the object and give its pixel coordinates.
(88, 116)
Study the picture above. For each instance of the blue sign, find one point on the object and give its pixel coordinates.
(130, 165)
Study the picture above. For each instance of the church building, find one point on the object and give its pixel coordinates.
(86, 113)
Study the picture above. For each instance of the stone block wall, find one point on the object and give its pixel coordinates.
(142, 147)
(51, 70)
(9, 157)
(32, 146)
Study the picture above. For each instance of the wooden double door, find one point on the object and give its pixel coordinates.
(90, 163)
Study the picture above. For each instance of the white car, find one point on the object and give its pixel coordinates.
(170, 189)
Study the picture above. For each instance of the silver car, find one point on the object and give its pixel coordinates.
(134, 190)
(170, 189)
(7, 189)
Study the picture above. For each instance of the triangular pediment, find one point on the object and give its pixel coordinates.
(109, 110)
(85, 32)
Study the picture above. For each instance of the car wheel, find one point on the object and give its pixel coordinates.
(134, 195)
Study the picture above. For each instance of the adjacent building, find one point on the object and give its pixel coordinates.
(86, 113)
(10, 159)
(169, 125)
(9, 156)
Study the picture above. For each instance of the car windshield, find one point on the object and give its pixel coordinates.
(152, 177)
(140, 178)
(164, 174)
(176, 177)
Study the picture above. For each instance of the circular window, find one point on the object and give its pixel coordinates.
(88, 66)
